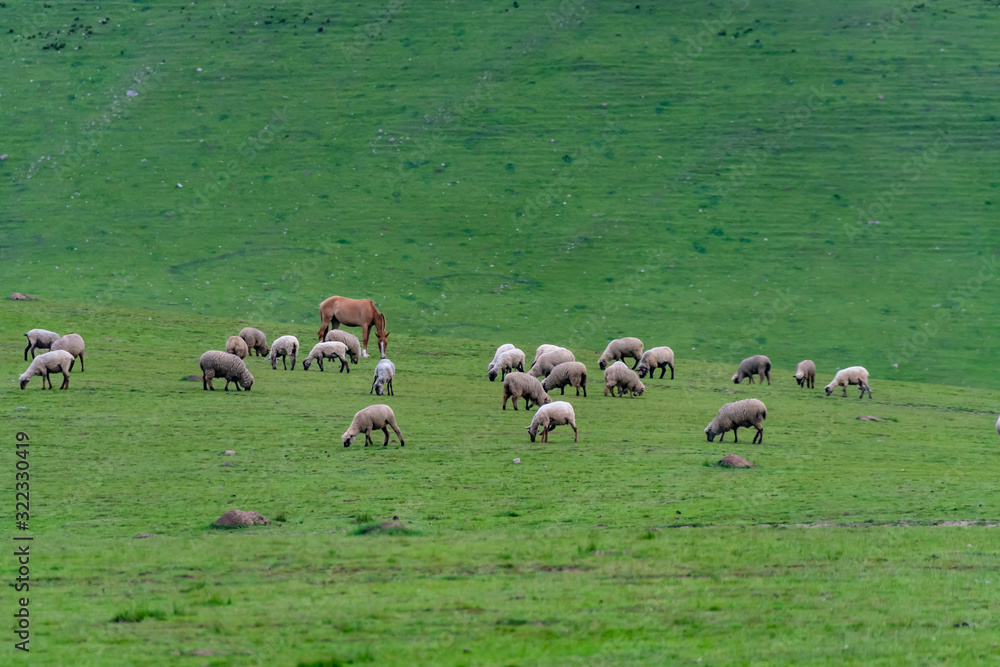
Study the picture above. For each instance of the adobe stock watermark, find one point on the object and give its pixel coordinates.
(911, 346)
(759, 324)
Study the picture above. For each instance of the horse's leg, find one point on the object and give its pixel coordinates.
(364, 341)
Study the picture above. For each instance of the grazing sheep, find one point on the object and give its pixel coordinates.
(285, 346)
(72, 343)
(348, 339)
(619, 375)
(731, 416)
(758, 364)
(542, 349)
(385, 371)
(998, 426)
(255, 340)
(331, 350)
(39, 339)
(508, 361)
(656, 357)
(236, 345)
(805, 374)
(544, 364)
(853, 375)
(49, 362)
(620, 348)
(374, 417)
(496, 355)
(552, 415)
(517, 384)
(216, 363)
(571, 373)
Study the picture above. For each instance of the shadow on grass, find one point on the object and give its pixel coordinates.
(394, 528)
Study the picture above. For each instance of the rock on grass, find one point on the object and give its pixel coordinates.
(734, 461)
(240, 518)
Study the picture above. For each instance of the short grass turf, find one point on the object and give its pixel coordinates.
(806, 182)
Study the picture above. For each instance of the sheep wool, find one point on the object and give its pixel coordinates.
(496, 355)
(757, 364)
(571, 373)
(805, 374)
(620, 348)
(374, 417)
(542, 349)
(549, 360)
(348, 339)
(332, 350)
(847, 376)
(39, 339)
(285, 346)
(57, 361)
(619, 376)
(216, 363)
(557, 413)
(518, 384)
(509, 360)
(236, 345)
(731, 416)
(72, 343)
(255, 340)
(385, 371)
(656, 357)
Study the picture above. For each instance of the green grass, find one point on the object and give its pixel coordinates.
(559, 172)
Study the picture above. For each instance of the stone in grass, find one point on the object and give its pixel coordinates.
(734, 461)
(229, 452)
(241, 518)
(869, 418)
(140, 536)
(17, 296)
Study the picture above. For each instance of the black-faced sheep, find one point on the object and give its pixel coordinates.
(57, 361)
(805, 374)
(255, 340)
(39, 339)
(509, 360)
(72, 343)
(656, 357)
(571, 373)
(369, 419)
(731, 416)
(549, 360)
(285, 346)
(551, 415)
(518, 384)
(853, 375)
(348, 339)
(757, 364)
(385, 371)
(332, 350)
(542, 349)
(496, 355)
(619, 376)
(620, 348)
(216, 363)
(236, 345)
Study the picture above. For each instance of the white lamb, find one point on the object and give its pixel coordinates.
(805, 374)
(369, 419)
(853, 375)
(50, 362)
(72, 343)
(496, 355)
(620, 348)
(656, 357)
(731, 416)
(348, 339)
(385, 371)
(509, 360)
(551, 415)
(619, 376)
(332, 350)
(544, 364)
(39, 339)
(285, 346)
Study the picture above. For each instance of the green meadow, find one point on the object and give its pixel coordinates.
(729, 179)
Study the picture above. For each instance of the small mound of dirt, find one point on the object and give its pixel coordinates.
(734, 461)
(869, 418)
(241, 518)
(17, 296)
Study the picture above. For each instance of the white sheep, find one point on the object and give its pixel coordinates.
(238, 346)
(853, 375)
(72, 343)
(517, 384)
(496, 355)
(551, 415)
(216, 363)
(39, 339)
(731, 416)
(544, 364)
(331, 350)
(49, 362)
(348, 339)
(998, 426)
(255, 340)
(619, 376)
(509, 360)
(656, 357)
(620, 348)
(285, 346)
(542, 349)
(571, 373)
(374, 417)
(757, 364)
(385, 371)
(805, 374)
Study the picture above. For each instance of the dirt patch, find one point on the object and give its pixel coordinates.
(234, 518)
(17, 296)
(869, 418)
(734, 461)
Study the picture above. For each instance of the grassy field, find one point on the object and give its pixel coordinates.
(727, 179)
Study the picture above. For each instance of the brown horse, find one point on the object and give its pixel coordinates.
(338, 310)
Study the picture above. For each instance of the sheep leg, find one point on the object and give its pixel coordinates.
(374, 382)
(671, 371)
(343, 365)
(206, 381)
(319, 360)
(562, 391)
(505, 401)
(767, 374)
(398, 434)
(845, 391)
(26, 351)
(81, 362)
(283, 364)
(368, 437)
(385, 429)
(735, 437)
(65, 382)
(584, 385)
(389, 385)
(759, 438)
(45, 377)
